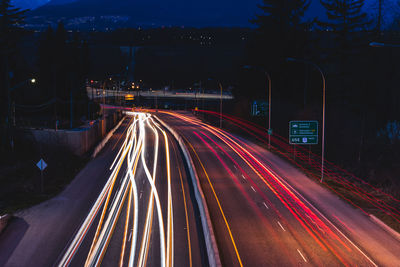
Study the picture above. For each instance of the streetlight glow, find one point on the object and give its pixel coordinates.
(33, 80)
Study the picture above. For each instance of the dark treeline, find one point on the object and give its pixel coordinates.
(363, 111)
(43, 77)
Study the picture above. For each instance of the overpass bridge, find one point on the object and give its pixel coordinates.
(100, 93)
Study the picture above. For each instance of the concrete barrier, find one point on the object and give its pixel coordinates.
(100, 146)
(209, 237)
(385, 227)
(4, 221)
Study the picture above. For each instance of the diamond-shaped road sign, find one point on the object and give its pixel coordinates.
(41, 164)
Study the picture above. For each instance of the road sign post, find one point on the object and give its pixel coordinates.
(41, 165)
(303, 132)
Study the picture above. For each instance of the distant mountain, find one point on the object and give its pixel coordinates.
(197, 13)
(167, 12)
(28, 4)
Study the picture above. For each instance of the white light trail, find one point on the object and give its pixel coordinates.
(133, 150)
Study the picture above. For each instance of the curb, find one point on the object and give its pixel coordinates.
(100, 146)
(209, 237)
(4, 221)
(385, 227)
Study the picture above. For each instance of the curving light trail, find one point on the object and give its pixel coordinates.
(121, 190)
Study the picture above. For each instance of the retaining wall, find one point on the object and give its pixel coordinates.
(79, 140)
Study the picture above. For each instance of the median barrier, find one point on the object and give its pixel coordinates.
(209, 237)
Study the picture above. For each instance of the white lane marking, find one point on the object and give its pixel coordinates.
(235, 167)
(319, 212)
(281, 226)
(253, 188)
(265, 205)
(243, 177)
(143, 181)
(301, 255)
(130, 236)
(140, 195)
(323, 216)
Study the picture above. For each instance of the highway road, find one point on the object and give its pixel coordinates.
(144, 215)
(130, 206)
(267, 213)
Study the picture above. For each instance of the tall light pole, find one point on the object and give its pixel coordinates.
(220, 107)
(323, 108)
(269, 101)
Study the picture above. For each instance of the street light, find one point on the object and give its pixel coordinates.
(323, 107)
(269, 101)
(220, 107)
(220, 101)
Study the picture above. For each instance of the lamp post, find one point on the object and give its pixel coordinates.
(220, 107)
(220, 101)
(269, 101)
(323, 107)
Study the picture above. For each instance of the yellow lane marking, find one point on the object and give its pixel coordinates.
(219, 204)
(186, 213)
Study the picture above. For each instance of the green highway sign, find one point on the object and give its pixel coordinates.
(303, 132)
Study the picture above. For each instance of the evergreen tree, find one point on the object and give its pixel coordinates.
(346, 20)
(281, 28)
(10, 18)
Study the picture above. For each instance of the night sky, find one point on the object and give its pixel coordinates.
(315, 9)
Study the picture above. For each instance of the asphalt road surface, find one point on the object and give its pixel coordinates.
(131, 206)
(267, 213)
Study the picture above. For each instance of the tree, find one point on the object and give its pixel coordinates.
(345, 19)
(63, 68)
(281, 28)
(10, 18)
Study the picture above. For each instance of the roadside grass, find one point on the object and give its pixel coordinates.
(349, 196)
(20, 178)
